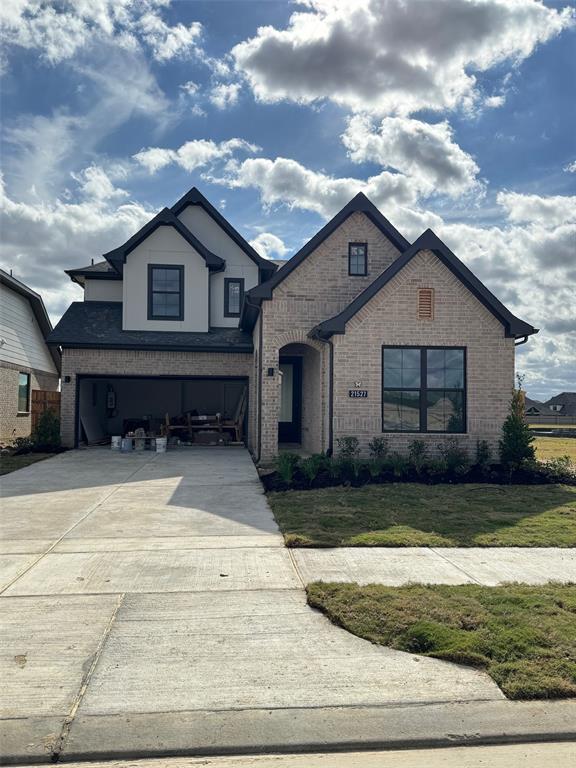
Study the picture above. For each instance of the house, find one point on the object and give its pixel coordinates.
(27, 363)
(359, 333)
(560, 409)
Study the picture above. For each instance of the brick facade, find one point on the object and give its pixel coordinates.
(13, 424)
(391, 318)
(120, 362)
(316, 290)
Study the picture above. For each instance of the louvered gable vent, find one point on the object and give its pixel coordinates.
(426, 303)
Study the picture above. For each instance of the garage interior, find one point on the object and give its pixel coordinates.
(110, 406)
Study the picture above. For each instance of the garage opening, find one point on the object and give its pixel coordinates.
(201, 410)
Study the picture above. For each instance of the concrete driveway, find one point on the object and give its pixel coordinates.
(149, 607)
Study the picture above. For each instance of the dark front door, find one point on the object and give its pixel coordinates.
(290, 419)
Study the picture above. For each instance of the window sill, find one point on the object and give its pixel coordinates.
(23, 413)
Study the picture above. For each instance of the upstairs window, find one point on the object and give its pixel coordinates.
(358, 259)
(423, 389)
(165, 292)
(23, 393)
(233, 296)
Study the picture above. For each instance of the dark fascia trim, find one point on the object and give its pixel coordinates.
(166, 218)
(359, 204)
(79, 276)
(227, 281)
(151, 316)
(248, 349)
(38, 309)
(428, 241)
(195, 197)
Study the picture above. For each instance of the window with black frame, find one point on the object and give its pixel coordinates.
(358, 259)
(165, 292)
(23, 393)
(423, 389)
(233, 296)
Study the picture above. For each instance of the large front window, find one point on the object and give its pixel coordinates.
(165, 292)
(423, 389)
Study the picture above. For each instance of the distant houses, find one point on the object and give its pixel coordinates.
(560, 409)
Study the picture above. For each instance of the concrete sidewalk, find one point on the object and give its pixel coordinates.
(394, 566)
(149, 607)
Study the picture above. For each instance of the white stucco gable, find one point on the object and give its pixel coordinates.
(165, 246)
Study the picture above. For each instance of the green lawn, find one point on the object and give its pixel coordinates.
(417, 515)
(11, 463)
(553, 447)
(524, 637)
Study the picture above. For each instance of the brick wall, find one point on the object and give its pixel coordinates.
(120, 362)
(318, 289)
(13, 424)
(391, 318)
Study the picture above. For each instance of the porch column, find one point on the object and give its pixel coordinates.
(270, 404)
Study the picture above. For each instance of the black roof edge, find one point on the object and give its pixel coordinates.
(72, 273)
(165, 217)
(428, 240)
(359, 204)
(195, 197)
(241, 349)
(40, 313)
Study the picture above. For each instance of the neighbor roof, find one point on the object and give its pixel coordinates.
(102, 270)
(427, 241)
(98, 324)
(38, 309)
(195, 197)
(166, 217)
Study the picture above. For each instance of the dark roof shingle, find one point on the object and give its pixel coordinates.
(98, 325)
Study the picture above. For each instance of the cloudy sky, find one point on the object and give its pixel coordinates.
(459, 115)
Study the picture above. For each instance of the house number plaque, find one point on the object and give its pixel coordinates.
(357, 393)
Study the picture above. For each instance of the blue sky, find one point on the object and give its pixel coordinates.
(454, 114)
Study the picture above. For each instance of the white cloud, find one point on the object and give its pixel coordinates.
(493, 102)
(426, 153)
(191, 155)
(95, 183)
(169, 42)
(269, 245)
(40, 240)
(225, 95)
(190, 87)
(60, 30)
(390, 56)
(548, 211)
(571, 167)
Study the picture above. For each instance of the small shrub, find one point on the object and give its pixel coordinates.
(348, 447)
(312, 466)
(516, 443)
(286, 464)
(483, 453)
(378, 448)
(455, 457)
(399, 464)
(557, 470)
(417, 455)
(22, 445)
(46, 436)
(375, 468)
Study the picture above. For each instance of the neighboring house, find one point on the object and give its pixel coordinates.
(26, 362)
(359, 333)
(560, 409)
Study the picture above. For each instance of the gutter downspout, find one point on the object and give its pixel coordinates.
(523, 341)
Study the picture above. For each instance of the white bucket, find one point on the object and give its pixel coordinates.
(116, 443)
(126, 445)
(139, 443)
(161, 444)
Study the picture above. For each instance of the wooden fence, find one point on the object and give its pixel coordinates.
(44, 400)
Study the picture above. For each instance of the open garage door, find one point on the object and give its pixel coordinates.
(116, 405)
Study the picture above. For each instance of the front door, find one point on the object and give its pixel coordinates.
(289, 422)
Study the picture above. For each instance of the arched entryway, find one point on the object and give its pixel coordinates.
(300, 416)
